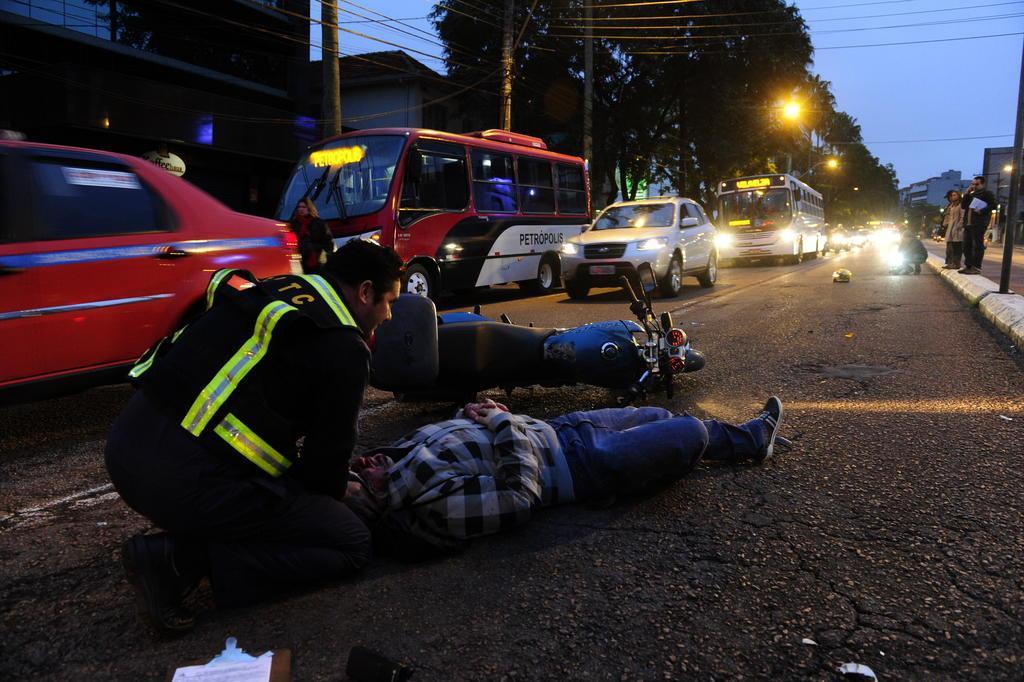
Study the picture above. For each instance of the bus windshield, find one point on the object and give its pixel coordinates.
(764, 205)
(346, 177)
(636, 215)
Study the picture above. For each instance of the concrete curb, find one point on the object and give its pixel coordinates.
(1005, 311)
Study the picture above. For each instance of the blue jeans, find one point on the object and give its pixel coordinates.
(629, 449)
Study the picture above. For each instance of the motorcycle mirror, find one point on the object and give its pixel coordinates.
(647, 280)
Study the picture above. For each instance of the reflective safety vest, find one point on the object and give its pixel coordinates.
(207, 375)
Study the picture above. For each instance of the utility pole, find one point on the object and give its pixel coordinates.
(332, 69)
(588, 81)
(1011, 208)
(505, 115)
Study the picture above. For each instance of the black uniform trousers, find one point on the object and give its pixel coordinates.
(260, 534)
(974, 245)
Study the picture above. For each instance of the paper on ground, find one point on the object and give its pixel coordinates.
(257, 670)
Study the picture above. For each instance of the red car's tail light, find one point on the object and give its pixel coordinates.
(289, 240)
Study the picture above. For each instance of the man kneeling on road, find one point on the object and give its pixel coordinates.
(486, 470)
(239, 439)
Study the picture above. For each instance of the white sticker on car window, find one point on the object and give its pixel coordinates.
(91, 177)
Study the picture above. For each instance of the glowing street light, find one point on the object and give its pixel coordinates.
(832, 163)
(1007, 168)
(791, 110)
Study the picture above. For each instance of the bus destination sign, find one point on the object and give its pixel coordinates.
(761, 182)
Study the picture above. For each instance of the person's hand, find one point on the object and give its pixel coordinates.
(361, 501)
(376, 460)
(479, 411)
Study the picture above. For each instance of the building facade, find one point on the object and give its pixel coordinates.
(216, 83)
(933, 190)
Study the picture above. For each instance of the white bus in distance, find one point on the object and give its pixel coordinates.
(767, 216)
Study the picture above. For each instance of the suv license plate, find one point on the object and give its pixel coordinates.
(602, 269)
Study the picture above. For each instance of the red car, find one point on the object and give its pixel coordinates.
(102, 254)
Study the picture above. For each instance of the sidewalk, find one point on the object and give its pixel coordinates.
(993, 263)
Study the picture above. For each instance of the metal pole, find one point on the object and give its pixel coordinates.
(331, 67)
(1011, 208)
(505, 116)
(588, 81)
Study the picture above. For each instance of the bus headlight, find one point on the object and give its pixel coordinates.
(570, 249)
(652, 244)
(787, 235)
(723, 240)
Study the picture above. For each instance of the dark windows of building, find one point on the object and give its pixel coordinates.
(536, 186)
(435, 117)
(493, 182)
(572, 193)
(77, 199)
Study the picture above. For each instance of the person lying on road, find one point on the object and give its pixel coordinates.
(486, 470)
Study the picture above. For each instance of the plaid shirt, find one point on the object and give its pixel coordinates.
(461, 479)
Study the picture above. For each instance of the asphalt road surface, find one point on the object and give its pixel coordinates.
(890, 536)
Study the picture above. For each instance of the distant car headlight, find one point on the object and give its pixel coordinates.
(652, 244)
(570, 249)
(839, 239)
(722, 239)
(787, 235)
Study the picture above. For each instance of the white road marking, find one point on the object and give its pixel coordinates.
(28, 511)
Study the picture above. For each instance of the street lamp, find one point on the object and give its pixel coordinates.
(792, 110)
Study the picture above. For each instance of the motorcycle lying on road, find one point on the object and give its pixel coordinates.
(422, 356)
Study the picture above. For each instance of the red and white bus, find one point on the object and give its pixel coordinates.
(463, 211)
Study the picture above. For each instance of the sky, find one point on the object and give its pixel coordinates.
(900, 94)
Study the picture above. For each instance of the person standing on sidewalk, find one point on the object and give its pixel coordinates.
(978, 205)
(953, 221)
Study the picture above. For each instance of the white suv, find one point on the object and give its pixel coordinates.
(673, 234)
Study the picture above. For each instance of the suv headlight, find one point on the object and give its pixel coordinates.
(723, 239)
(652, 244)
(570, 249)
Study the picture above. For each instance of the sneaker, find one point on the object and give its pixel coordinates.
(963, 271)
(771, 415)
(972, 271)
(149, 563)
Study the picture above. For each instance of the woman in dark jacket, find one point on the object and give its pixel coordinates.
(314, 238)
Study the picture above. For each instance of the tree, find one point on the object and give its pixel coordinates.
(690, 100)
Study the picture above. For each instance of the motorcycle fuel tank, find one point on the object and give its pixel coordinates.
(601, 354)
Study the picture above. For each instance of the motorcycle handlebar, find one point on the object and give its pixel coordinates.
(629, 288)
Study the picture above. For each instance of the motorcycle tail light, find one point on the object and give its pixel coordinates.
(676, 337)
(676, 364)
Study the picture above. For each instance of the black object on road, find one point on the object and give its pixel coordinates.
(367, 665)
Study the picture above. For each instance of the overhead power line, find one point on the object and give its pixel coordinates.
(833, 47)
(781, 33)
(578, 23)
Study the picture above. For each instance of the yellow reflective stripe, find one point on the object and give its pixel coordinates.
(178, 333)
(218, 277)
(328, 293)
(142, 366)
(224, 383)
(255, 449)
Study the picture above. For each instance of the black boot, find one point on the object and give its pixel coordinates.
(162, 575)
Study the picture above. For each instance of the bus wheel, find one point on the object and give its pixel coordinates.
(798, 256)
(418, 281)
(547, 277)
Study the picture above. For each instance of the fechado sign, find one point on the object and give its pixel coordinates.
(171, 163)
